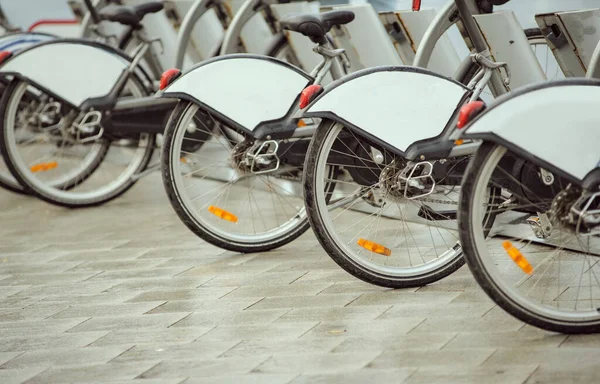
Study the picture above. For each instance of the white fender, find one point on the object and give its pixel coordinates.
(17, 41)
(397, 105)
(557, 123)
(74, 70)
(246, 89)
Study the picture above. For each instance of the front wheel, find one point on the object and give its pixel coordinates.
(538, 265)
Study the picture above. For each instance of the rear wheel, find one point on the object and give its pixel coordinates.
(215, 191)
(550, 281)
(57, 162)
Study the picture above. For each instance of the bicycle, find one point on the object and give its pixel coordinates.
(152, 114)
(391, 219)
(251, 150)
(81, 128)
(538, 259)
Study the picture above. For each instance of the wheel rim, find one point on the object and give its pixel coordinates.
(555, 264)
(222, 191)
(372, 261)
(68, 186)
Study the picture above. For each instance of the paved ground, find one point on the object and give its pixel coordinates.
(125, 293)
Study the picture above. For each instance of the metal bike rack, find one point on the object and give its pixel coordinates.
(507, 43)
(573, 37)
(407, 30)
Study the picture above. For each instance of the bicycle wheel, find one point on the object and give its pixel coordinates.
(60, 163)
(223, 195)
(553, 285)
(370, 227)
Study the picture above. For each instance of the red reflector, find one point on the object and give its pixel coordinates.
(5, 55)
(308, 94)
(168, 76)
(468, 111)
(416, 5)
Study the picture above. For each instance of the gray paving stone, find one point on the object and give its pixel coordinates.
(509, 374)
(60, 357)
(285, 331)
(197, 305)
(92, 373)
(108, 323)
(264, 279)
(156, 337)
(82, 246)
(39, 327)
(12, 290)
(381, 329)
(66, 288)
(36, 310)
(197, 253)
(104, 255)
(270, 347)
(362, 376)
(338, 300)
(174, 352)
(142, 285)
(504, 339)
(46, 278)
(469, 324)
(564, 374)
(464, 358)
(231, 317)
(201, 293)
(278, 290)
(290, 315)
(434, 310)
(322, 363)
(333, 314)
(102, 310)
(17, 376)
(7, 356)
(432, 340)
(251, 378)
(203, 368)
(24, 343)
(402, 297)
(138, 274)
(565, 358)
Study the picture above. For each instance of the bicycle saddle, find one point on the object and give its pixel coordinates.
(131, 16)
(317, 25)
(487, 6)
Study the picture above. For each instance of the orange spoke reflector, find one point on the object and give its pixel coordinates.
(183, 160)
(301, 123)
(459, 141)
(374, 247)
(517, 257)
(43, 167)
(223, 214)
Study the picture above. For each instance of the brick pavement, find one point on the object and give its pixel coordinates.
(125, 293)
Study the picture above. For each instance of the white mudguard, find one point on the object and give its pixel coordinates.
(397, 106)
(554, 124)
(74, 70)
(243, 89)
(20, 40)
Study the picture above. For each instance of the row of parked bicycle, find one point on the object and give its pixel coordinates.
(402, 172)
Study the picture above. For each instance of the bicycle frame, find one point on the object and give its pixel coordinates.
(198, 9)
(444, 20)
